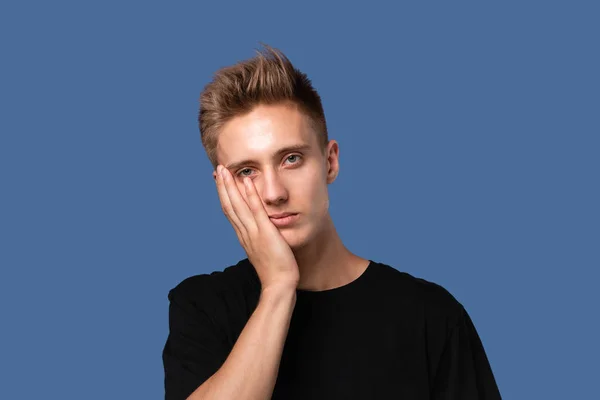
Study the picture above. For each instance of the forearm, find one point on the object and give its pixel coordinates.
(250, 371)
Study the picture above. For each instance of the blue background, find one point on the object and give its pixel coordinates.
(469, 144)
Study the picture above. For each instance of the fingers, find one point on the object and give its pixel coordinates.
(255, 203)
(234, 204)
(227, 207)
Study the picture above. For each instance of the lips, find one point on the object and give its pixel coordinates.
(281, 215)
(284, 219)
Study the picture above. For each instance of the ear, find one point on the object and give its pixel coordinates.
(332, 153)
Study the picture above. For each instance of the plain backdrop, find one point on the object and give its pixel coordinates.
(469, 146)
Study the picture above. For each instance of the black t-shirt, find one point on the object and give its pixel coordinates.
(385, 335)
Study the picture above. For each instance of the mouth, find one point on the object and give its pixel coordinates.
(283, 219)
(281, 215)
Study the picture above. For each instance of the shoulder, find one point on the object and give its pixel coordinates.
(434, 299)
(238, 278)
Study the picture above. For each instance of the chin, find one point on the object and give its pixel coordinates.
(295, 238)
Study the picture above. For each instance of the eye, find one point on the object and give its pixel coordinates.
(244, 172)
(293, 158)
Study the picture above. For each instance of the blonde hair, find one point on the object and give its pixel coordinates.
(268, 78)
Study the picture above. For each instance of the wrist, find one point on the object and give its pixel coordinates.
(279, 291)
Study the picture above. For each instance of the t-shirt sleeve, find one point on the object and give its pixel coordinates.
(195, 349)
(464, 371)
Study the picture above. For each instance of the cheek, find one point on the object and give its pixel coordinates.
(323, 196)
(314, 195)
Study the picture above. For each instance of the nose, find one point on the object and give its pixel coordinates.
(273, 190)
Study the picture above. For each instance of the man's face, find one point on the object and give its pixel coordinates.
(278, 149)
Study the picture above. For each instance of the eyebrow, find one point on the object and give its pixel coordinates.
(277, 154)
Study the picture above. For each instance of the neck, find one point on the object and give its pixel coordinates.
(325, 263)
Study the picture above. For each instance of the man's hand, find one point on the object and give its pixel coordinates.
(266, 248)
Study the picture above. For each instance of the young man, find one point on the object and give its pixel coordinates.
(303, 317)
